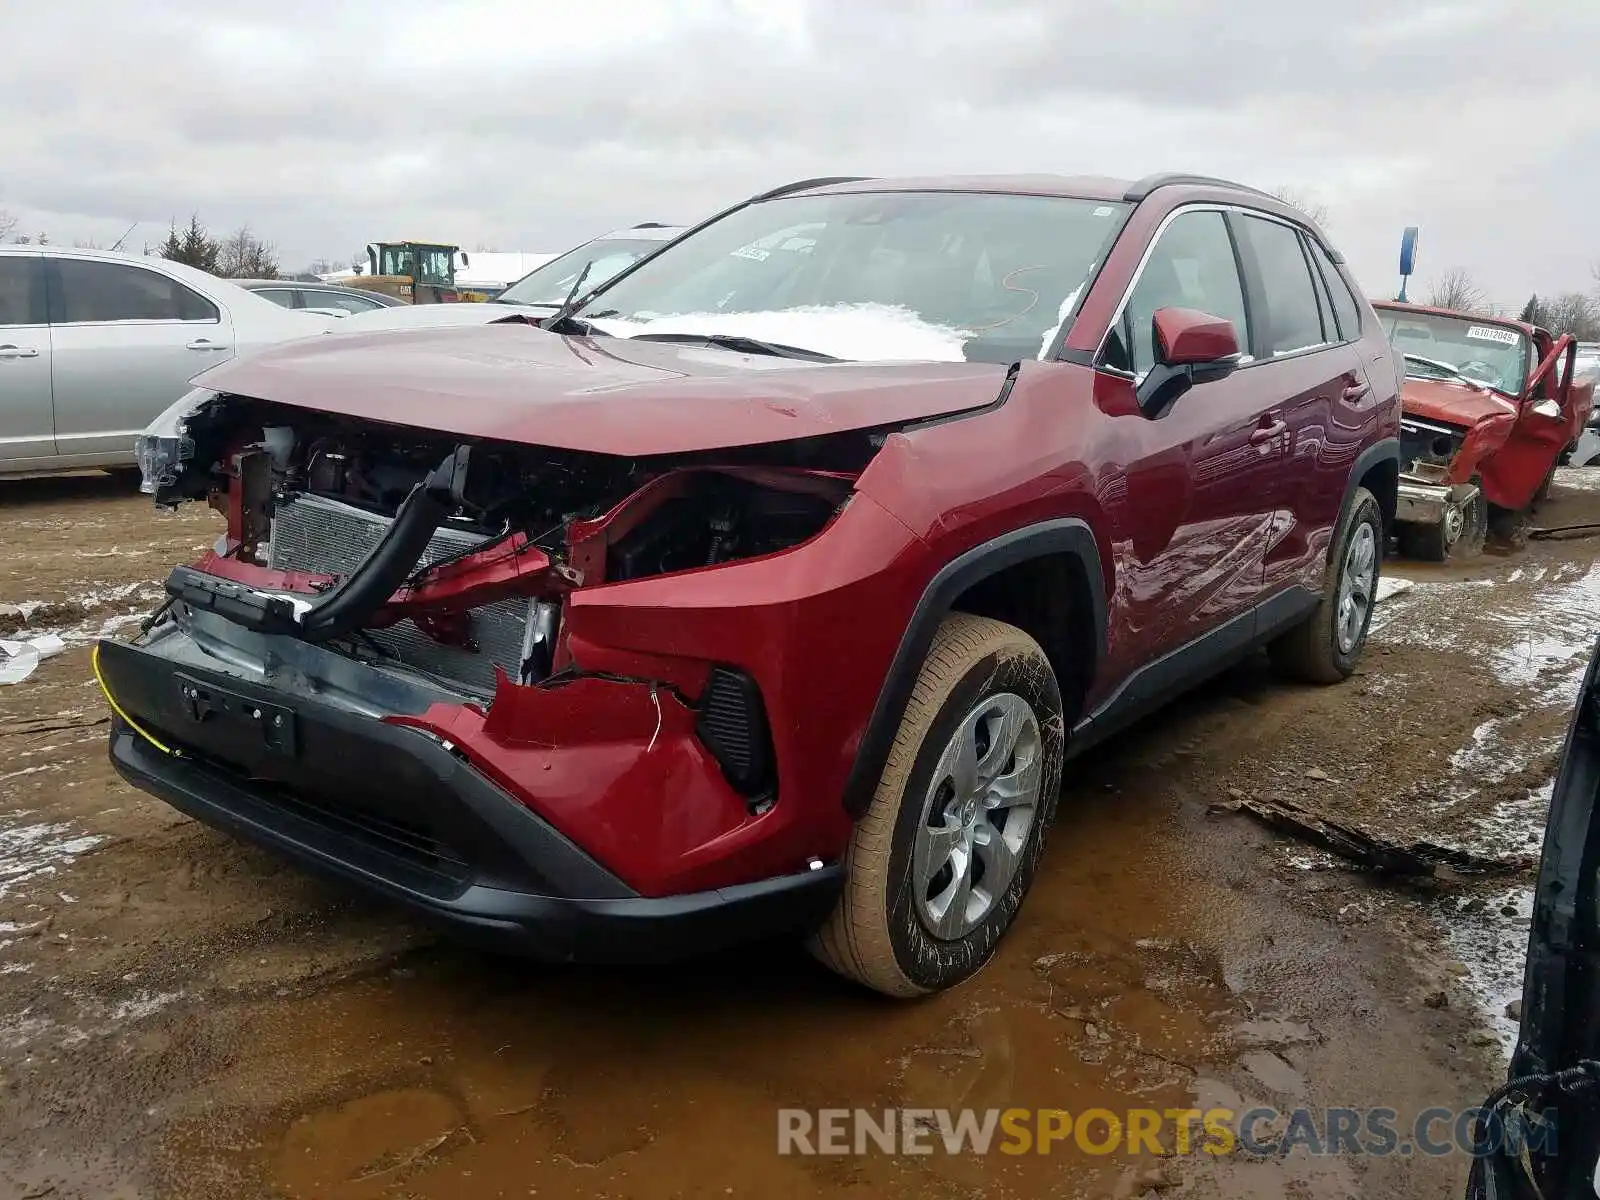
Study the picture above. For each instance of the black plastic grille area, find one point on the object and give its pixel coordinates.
(733, 726)
(399, 838)
(435, 868)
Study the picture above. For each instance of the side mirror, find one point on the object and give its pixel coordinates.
(1191, 347)
(1547, 408)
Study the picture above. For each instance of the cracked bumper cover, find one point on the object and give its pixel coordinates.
(397, 812)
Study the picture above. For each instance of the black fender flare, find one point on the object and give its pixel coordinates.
(1385, 449)
(1070, 535)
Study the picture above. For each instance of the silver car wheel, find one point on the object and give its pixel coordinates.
(977, 815)
(1357, 583)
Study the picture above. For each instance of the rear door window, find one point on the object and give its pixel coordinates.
(317, 298)
(1293, 316)
(282, 297)
(90, 290)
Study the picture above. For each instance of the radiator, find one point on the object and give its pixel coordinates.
(313, 533)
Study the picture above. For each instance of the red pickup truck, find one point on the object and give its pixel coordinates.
(1489, 405)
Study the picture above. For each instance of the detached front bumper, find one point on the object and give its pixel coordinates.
(400, 813)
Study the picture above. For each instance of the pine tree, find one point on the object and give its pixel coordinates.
(193, 246)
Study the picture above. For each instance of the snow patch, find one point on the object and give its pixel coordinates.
(861, 332)
(1578, 479)
(30, 851)
(1493, 947)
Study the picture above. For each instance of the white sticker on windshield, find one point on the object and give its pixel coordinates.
(1105, 210)
(1488, 333)
(757, 253)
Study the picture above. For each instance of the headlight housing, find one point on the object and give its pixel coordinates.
(165, 445)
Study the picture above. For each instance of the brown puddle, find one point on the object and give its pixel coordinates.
(468, 1076)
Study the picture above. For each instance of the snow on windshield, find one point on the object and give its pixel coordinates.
(881, 332)
(874, 276)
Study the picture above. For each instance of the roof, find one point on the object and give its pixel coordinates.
(1431, 310)
(158, 262)
(642, 233)
(1084, 187)
(1080, 187)
(323, 285)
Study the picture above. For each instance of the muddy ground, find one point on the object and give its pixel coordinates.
(181, 1016)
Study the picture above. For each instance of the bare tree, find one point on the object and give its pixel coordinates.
(8, 222)
(245, 256)
(1574, 313)
(1456, 289)
(1305, 202)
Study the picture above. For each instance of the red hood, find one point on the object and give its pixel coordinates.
(515, 382)
(1455, 403)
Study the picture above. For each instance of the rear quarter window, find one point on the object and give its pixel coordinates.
(1345, 306)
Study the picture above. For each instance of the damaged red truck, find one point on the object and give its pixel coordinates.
(1490, 405)
(768, 587)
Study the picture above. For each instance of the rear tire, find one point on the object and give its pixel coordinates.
(1325, 646)
(907, 924)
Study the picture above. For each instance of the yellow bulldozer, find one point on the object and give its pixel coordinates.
(416, 272)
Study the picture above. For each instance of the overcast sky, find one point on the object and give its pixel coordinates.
(520, 125)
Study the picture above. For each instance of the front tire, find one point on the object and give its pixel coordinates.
(938, 866)
(1458, 537)
(1325, 646)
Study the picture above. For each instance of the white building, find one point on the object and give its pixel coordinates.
(489, 270)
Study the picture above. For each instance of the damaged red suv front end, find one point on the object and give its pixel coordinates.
(544, 670)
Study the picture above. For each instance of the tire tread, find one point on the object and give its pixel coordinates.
(855, 940)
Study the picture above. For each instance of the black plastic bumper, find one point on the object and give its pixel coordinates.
(402, 815)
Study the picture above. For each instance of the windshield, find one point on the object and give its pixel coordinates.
(550, 282)
(946, 276)
(1496, 355)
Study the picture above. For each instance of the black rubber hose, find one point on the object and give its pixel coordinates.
(364, 590)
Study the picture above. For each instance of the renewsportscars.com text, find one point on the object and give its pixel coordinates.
(1216, 1131)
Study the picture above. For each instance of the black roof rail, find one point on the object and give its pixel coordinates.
(801, 185)
(1150, 183)
(651, 225)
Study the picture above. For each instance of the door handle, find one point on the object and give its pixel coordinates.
(1265, 433)
(11, 351)
(1357, 391)
(202, 344)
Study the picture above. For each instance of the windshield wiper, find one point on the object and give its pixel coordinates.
(740, 344)
(1454, 372)
(1444, 368)
(563, 321)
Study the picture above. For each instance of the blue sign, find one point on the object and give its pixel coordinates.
(1408, 250)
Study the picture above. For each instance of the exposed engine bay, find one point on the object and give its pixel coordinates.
(451, 559)
(1427, 447)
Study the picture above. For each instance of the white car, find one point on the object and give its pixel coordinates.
(543, 288)
(94, 344)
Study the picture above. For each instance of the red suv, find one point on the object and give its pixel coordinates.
(768, 586)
